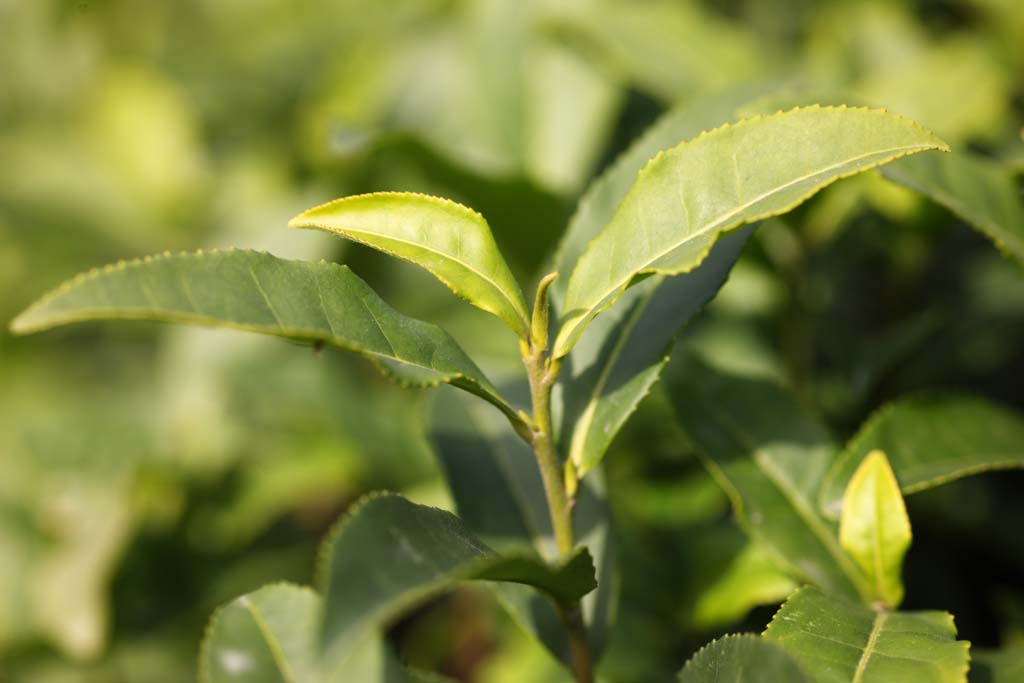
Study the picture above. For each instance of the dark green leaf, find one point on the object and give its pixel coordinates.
(931, 440)
(742, 659)
(838, 641)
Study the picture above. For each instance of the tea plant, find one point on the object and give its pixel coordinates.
(650, 244)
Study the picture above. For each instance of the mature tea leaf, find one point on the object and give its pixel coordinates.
(977, 190)
(494, 479)
(770, 457)
(739, 173)
(451, 241)
(930, 440)
(838, 641)
(388, 555)
(270, 636)
(254, 291)
(997, 666)
(874, 528)
(621, 355)
(742, 659)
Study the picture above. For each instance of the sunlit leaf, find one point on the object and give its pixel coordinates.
(742, 659)
(451, 241)
(685, 198)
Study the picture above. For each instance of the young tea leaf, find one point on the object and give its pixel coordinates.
(874, 528)
(742, 659)
(451, 241)
(838, 641)
(930, 440)
(685, 198)
(388, 555)
(254, 291)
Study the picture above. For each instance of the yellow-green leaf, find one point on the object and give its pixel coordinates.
(451, 241)
(874, 528)
(685, 198)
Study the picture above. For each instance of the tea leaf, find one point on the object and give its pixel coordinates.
(451, 241)
(977, 190)
(619, 359)
(388, 555)
(930, 440)
(770, 457)
(997, 666)
(685, 198)
(257, 292)
(874, 527)
(838, 641)
(742, 659)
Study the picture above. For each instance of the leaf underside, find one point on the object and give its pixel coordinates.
(930, 440)
(449, 240)
(739, 173)
(838, 641)
(257, 292)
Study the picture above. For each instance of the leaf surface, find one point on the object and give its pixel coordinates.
(257, 292)
(874, 528)
(770, 457)
(930, 440)
(685, 198)
(837, 641)
(499, 494)
(979, 191)
(742, 659)
(997, 666)
(451, 241)
(389, 554)
(619, 359)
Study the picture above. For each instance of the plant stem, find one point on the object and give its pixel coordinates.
(542, 372)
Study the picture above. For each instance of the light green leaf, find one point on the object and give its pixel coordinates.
(998, 666)
(874, 528)
(451, 241)
(742, 659)
(270, 636)
(837, 641)
(620, 358)
(499, 494)
(750, 579)
(254, 291)
(979, 191)
(770, 457)
(389, 554)
(930, 440)
(685, 198)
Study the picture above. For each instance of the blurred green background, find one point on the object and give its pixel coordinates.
(149, 473)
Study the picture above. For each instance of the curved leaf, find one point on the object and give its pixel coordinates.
(620, 358)
(451, 241)
(837, 641)
(742, 659)
(979, 191)
(254, 291)
(770, 457)
(498, 491)
(388, 555)
(929, 441)
(739, 173)
(874, 528)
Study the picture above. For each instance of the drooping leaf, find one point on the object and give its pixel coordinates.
(620, 357)
(685, 198)
(874, 528)
(838, 641)
(499, 494)
(770, 457)
(254, 291)
(389, 554)
(742, 658)
(979, 191)
(451, 241)
(930, 440)
(270, 636)
(997, 666)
